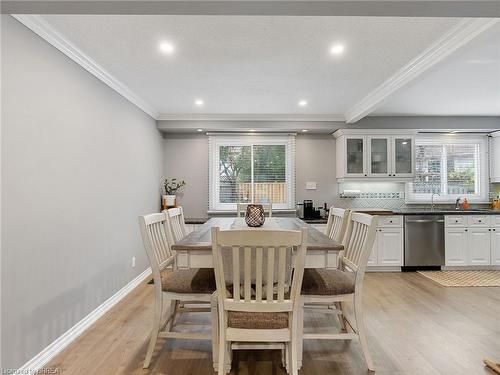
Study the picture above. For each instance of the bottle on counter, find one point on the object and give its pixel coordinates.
(465, 204)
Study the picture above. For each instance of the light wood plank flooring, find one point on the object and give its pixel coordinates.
(414, 327)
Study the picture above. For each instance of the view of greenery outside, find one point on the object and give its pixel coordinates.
(445, 168)
(269, 173)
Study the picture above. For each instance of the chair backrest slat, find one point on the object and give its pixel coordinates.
(236, 272)
(337, 223)
(270, 274)
(248, 276)
(358, 241)
(157, 239)
(175, 218)
(258, 275)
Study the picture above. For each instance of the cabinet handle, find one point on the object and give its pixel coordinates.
(489, 230)
(366, 175)
(466, 230)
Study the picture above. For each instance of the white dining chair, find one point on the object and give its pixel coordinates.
(336, 226)
(176, 222)
(242, 207)
(256, 309)
(172, 285)
(345, 284)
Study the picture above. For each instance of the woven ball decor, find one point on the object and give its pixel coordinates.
(254, 215)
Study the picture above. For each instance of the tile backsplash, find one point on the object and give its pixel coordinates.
(383, 195)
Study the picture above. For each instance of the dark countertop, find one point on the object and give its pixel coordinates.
(447, 211)
(402, 211)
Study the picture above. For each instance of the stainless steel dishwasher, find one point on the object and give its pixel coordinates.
(424, 240)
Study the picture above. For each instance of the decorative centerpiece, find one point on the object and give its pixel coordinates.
(170, 189)
(254, 215)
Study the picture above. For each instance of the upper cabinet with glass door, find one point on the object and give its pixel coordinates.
(374, 154)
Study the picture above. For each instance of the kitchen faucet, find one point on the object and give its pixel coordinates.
(457, 202)
(433, 205)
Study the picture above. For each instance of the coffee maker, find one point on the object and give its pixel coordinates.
(308, 210)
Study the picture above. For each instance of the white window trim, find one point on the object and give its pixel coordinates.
(482, 180)
(215, 141)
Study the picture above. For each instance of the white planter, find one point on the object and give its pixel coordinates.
(168, 200)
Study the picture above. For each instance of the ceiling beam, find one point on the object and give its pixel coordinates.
(458, 36)
(394, 8)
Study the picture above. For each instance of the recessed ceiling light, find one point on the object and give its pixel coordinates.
(252, 130)
(304, 130)
(199, 102)
(337, 49)
(199, 130)
(302, 103)
(167, 47)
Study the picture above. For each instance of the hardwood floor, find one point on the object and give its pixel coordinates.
(414, 327)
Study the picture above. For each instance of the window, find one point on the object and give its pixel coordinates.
(254, 168)
(454, 166)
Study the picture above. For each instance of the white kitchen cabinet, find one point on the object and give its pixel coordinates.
(472, 240)
(495, 157)
(378, 156)
(374, 154)
(387, 253)
(495, 247)
(455, 246)
(389, 246)
(478, 247)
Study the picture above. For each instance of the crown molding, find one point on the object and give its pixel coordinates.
(458, 36)
(249, 117)
(43, 29)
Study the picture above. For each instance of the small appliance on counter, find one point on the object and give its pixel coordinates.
(308, 210)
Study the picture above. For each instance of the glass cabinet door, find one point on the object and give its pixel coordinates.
(403, 156)
(355, 155)
(379, 156)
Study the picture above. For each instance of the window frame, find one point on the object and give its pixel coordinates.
(482, 171)
(215, 141)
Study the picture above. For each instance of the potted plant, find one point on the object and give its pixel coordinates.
(170, 188)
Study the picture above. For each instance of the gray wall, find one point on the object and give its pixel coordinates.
(315, 162)
(186, 157)
(79, 164)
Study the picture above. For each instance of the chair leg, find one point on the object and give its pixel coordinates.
(300, 334)
(294, 343)
(339, 307)
(172, 313)
(222, 343)
(215, 332)
(360, 325)
(154, 333)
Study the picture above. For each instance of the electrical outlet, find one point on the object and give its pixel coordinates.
(133, 262)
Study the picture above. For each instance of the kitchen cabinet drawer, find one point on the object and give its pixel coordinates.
(495, 220)
(390, 221)
(455, 221)
(479, 221)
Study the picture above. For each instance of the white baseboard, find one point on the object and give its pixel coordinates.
(71, 334)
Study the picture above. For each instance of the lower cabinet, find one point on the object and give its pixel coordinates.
(478, 247)
(388, 246)
(455, 240)
(471, 241)
(495, 247)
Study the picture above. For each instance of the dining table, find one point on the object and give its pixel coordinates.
(195, 249)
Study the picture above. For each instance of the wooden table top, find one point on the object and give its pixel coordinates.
(200, 239)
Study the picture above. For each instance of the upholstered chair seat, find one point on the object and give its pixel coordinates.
(193, 280)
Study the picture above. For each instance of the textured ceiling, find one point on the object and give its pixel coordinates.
(250, 65)
(466, 83)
